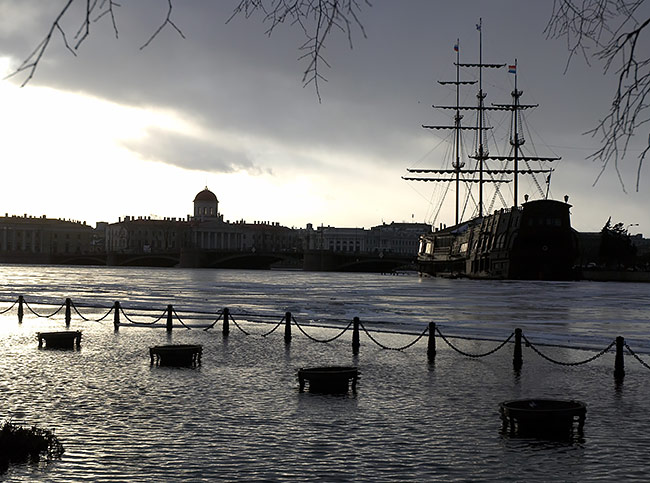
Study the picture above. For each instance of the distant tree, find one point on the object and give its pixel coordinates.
(615, 32)
(616, 248)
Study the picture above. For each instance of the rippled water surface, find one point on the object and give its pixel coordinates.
(240, 416)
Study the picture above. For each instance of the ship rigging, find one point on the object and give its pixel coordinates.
(481, 174)
(529, 240)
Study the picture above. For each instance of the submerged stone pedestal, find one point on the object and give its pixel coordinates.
(60, 340)
(329, 379)
(180, 355)
(543, 417)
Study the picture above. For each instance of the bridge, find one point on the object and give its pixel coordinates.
(381, 262)
(312, 260)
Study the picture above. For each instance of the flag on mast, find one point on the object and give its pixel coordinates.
(512, 69)
(456, 47)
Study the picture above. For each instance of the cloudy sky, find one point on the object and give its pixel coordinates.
(117, 130)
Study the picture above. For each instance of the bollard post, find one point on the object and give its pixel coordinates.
(517, 360)
(68, 315)
(21, 301)
(431, 347)
(355, 336)
(287, 328)
(226, 322)
(170, 324)
(619, 363)
(116, 316)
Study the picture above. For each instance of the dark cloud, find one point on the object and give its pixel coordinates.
(191, 153)
(231, 77)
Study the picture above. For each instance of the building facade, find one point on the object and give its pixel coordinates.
(26, 238)
(397, 238)
(39, 238)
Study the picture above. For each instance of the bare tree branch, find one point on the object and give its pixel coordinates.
(31, 62)
(316, 18)
(97, 8)
(108, 11)
(168, 21)
(612, 29)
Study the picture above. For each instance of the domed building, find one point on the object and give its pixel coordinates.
(206, 205)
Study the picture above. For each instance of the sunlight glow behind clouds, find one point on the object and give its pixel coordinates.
(80, 157)
(123, 131)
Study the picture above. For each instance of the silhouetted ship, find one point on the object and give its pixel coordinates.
(532, 240)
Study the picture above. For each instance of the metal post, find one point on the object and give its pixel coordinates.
(619, 363)
(170, 311)
(68, 315)
(287, 328)
(116, 316)
(21, 301)
(431, 347)
(226, 322)
(355, 336)
(517, 360)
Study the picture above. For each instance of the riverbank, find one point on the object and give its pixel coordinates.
(615, 276)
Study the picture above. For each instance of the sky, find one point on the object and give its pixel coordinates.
(117, 130)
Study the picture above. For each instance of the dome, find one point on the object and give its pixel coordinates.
(206, 196)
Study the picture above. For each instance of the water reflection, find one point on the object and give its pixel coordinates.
(240, 415)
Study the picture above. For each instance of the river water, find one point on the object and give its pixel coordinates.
(240, 416)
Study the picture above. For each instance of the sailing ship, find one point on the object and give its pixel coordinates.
(529, 240)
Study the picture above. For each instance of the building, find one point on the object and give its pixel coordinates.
(39, 239)
(146, 235)
(205, 230)
(338, 239)
(397, 238)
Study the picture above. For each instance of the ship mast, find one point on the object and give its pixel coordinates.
(457, 164)
(460, 175)
(481, 105)
(482, 153)
(517, 140)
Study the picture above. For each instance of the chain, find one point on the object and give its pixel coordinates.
(475, 356)
(319, 340)
(543, 356)
(238, 326)
(180, 320)
(392, 348)
(141, 323)
(41, 315)
(12, 306)
(90, 320)
(214, 323)
(644, 364)
(274, 328)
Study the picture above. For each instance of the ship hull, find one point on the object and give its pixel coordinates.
(531, 242)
